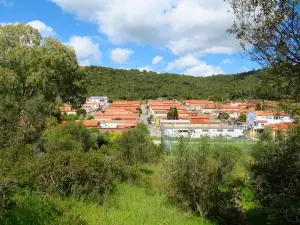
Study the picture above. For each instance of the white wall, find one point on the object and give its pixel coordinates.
(197, 133)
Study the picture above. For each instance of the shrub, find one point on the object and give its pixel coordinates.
(200, 178)
(7, 188)
(70, 137)
(81, 113)
(37, 209)
(68, 173)
(137, 147)
(276, 178)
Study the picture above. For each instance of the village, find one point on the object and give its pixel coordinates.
(193, 119)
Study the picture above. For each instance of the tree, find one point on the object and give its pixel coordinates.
(271, 27)
(275, 173)
(242, 117)
(81, 112)
(270, 32)
(34, 73)
(172, 114)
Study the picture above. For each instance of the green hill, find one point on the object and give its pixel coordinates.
(135, 84)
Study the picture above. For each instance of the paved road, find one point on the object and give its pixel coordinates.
(144, 118)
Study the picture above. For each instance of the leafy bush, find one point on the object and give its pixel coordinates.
(137, 147)
(276, 174)
(33, 208)
(69, 117)
(7, 189)
(68, 173)
(70, 137)
(200, 178)
(81, 113)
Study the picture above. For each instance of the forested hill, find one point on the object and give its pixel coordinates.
(135, 84)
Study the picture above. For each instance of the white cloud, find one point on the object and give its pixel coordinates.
(86, 50)
(147, 68)
(120, 55)
(183, 26)
(193, 66)
(183, 62)
(203, 70)
(45, 30)
(157, 59)
(226, 61)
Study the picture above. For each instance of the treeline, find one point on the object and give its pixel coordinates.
(135, 84)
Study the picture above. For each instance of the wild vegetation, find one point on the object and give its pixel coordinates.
(58, 173)
(135, 84)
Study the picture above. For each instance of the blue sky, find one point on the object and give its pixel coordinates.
(176, 36)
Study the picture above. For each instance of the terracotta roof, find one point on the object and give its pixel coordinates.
(89, 123)
(233, 111)
(230, 107)
(281, 126)
(261, 121)
(198, 101)
(201, 121)
(268, 113)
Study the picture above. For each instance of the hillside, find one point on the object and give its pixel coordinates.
(135, 84)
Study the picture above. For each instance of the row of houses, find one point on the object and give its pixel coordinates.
(119, 116)
(199, 117)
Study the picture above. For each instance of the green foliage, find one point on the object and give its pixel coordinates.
(172, 114)
(33, 74)
(6, 193)
(275, 171)
(133, 84)
(242, 117)
(34, 208)
(265, 136)
(81, 112)
(67, 173)
(90, 117)
(69, 137)
(137, 147)
(70, 117)
(200, 177)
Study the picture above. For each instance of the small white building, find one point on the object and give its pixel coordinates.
(96, 102)
(197, 132)
(270, 117)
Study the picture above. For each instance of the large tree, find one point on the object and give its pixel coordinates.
(271, 27)
(34, 72)
(269, 30)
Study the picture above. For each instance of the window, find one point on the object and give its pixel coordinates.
(204, 130)
(230, 130)
(220, 130)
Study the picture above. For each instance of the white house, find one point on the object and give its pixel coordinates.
(96, 102)
(270, 117)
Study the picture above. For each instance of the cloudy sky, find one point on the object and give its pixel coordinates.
(175, 36)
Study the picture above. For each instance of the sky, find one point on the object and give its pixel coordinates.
(175, 36)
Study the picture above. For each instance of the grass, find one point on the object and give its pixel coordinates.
(131, 205)
(127, 206)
